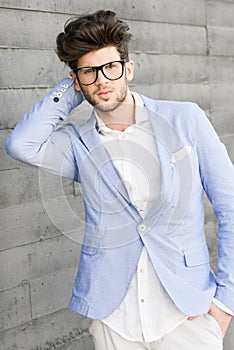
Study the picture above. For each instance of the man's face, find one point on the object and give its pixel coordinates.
(104, 94)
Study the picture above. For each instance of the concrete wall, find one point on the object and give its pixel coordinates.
(184, 50)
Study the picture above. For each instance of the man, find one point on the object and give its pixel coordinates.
(144, 275)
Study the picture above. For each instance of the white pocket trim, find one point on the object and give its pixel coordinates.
(181, 153)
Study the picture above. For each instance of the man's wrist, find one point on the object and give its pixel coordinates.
(64, 93)
(223, 307)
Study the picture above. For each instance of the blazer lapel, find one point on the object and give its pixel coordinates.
(167, 141)
(176, 170)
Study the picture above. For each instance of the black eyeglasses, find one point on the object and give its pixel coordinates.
(111, 71)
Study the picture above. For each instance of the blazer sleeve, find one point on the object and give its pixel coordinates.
(35, 139)
(217, 175)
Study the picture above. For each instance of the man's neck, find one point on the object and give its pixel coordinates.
(120, 118)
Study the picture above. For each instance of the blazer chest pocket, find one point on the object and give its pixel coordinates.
(195, 256)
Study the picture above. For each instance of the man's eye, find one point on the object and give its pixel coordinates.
(88, 71)
(110, 65)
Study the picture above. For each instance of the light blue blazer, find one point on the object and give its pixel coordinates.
(192, 160)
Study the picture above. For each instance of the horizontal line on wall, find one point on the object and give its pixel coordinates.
(122, 17)
(3, 47)
(136, 52)
(31, 242)
(41, 87)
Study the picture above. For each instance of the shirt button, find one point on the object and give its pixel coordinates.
(141, 270)
(122, 136)
(56, 99)
(142, 228)
(142, 300)
(141, 211)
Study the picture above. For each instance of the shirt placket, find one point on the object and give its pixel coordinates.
(143, 300)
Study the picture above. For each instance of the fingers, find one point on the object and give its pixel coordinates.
(190, 318)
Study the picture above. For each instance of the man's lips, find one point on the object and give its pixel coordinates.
(104, 94)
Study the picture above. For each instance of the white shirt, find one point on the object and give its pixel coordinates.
(147, 312)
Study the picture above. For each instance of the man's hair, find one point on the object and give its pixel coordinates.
(90, 32)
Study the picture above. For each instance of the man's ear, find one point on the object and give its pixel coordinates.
(129, 70)
(76, 83)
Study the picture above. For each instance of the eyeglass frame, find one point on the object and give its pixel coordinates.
(100, 68)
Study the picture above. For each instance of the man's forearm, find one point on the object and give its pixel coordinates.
(33, 131)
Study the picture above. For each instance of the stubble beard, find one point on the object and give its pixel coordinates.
(107, 106)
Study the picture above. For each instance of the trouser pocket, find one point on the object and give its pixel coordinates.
(215, 324)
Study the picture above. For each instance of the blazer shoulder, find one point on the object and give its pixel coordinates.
(178, 108)
(175, 111)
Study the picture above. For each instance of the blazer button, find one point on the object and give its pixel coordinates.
(142, 228)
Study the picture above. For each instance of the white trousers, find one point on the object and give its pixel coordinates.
(202, 333)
